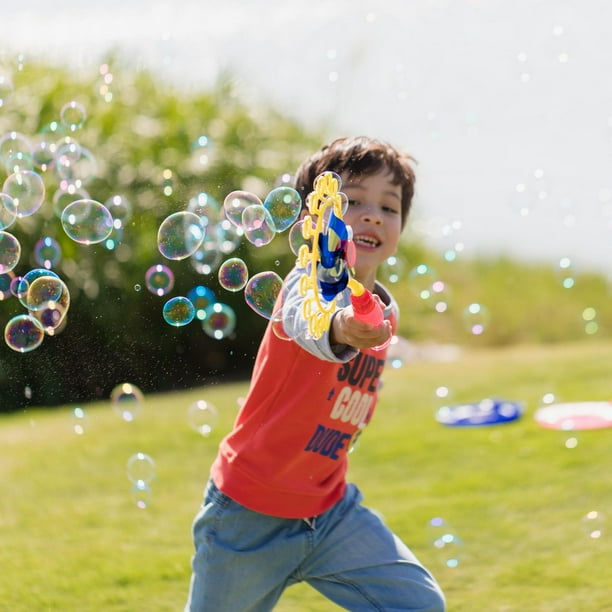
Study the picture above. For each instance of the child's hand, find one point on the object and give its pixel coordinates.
(346, 328)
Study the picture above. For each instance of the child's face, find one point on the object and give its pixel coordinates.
(375, 214)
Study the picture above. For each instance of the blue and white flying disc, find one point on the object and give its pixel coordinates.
(485, 412)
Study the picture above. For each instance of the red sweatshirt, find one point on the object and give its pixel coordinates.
(287, 453)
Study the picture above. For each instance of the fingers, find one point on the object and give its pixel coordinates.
(354, 332)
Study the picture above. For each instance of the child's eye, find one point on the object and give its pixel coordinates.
(353, 202)
(391, 209)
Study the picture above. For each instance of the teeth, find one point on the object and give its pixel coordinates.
(367, 241)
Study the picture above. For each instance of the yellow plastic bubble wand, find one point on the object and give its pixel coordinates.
(325, 205)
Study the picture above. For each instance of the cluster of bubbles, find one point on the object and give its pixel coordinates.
(206, 232)
(55, 154)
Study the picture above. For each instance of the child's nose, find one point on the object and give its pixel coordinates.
(370, 215)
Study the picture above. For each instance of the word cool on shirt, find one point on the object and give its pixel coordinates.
(351, 406)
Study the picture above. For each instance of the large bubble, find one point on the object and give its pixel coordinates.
(48, 300)
(258, 225)
(24, 333)
(27, 190)
(87, 221)
(180, 235)
(284, 205)
(236, 202)
(233, 274)
(261, 292)
(8, 211)
(178, 311)
(10, 252)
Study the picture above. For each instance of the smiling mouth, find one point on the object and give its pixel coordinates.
(366, 241)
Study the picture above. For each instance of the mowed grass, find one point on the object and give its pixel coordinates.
(73, 539)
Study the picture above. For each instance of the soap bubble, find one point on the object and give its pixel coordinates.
(159, 279)
(446, 543)
(23, 333)
(202, 417)
(27, 190)
(141, 494)
(79, 419)
(43, 153)
(180, 235)
(236, 202)
(13, 143)
(73, 115)
(120, 209)
(219, 321)
(75, 163)
(283, 319)
(18, 162)
(48, 300)
(392, 270)
(10, 252)
(476, 318)
(5, 285)
(233, 274)
(258, 225)
(47, 252)
(284, 205)
(67, 193)
(593, 524)
(21, 284)
(225, 237)
(140, 468)
(8, 211)
(420, 280)
(178, 311)
(565, 273)
(127, 401)
(201, 297)
(261, 292)
(296, 238)
(87, 221)
(202, 151)
(207, 208)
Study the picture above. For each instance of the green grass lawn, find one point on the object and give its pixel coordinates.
(73, 539)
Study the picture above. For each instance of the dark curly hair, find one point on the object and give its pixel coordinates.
(359, 156)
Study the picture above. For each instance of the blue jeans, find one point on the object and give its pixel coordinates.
(244, 560)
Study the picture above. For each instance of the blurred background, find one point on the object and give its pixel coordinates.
(156, 108)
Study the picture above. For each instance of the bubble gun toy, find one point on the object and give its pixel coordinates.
(329, 259)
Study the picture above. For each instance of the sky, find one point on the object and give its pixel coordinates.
(506, 104)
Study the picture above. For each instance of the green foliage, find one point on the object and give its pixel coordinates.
(524, 302)
(515, 494)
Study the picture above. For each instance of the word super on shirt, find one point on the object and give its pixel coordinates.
(308, 402)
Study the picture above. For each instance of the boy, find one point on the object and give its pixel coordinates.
(278, 509)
